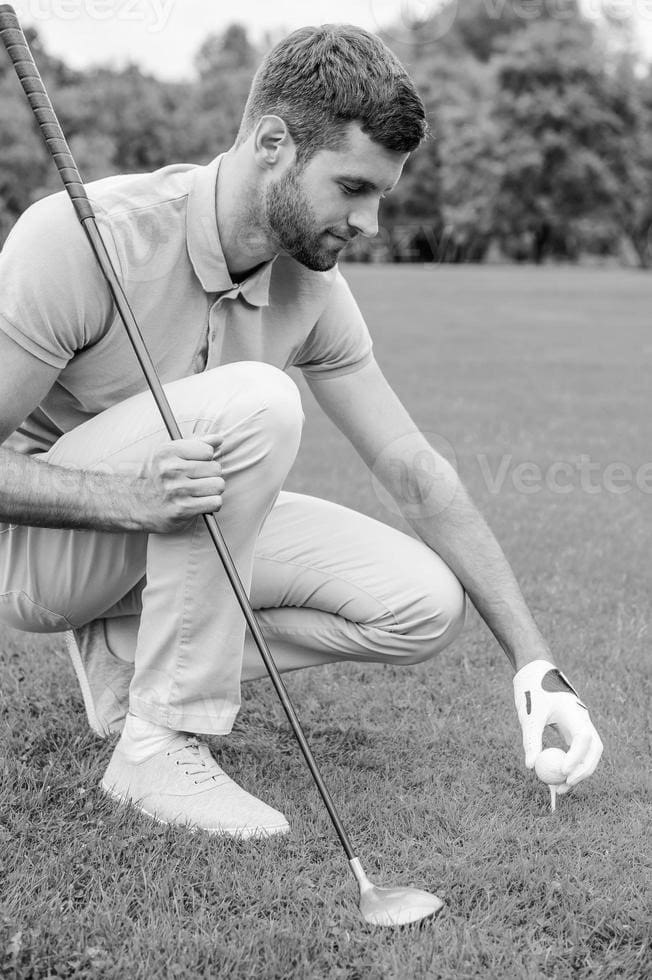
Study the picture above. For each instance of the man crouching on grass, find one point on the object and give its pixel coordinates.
(232, 272)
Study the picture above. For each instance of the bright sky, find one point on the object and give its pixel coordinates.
(163, 35)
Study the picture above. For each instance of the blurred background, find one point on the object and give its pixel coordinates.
(541, 113)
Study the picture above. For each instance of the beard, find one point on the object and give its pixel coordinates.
(292, 224)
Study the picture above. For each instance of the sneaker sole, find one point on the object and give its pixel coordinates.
(242, 833)
(89, 704)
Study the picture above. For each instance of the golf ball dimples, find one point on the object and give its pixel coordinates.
(548, 766)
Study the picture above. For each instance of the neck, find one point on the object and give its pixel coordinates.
(240, 220)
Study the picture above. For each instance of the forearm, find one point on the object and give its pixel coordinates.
(441, 512)
(43, 495)
(462, 538)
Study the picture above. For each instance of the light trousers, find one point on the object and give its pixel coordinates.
(326, 582)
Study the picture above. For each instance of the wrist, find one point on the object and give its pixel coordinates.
(533, 666)
(108, 502)
(120, 502)
(524, 645)
(542, 676)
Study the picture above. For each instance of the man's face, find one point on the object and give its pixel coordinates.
(314, 211)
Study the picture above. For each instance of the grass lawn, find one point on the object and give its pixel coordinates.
(537, 380)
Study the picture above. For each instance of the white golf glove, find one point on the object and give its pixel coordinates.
(543, 697)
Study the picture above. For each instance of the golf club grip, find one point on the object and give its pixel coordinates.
(21, 57)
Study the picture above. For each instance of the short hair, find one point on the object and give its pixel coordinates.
(319, 79)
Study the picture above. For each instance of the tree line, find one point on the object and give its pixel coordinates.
(541, 145)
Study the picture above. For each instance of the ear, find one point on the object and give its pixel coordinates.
(273, 145)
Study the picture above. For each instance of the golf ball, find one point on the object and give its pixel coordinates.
(548, 766)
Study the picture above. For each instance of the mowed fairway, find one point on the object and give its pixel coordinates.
(539, 381)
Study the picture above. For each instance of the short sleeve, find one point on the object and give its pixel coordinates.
(339, 343)
(53, 300)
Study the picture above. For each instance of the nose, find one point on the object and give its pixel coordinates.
(365, 219)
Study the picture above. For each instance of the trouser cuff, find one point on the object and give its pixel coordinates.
(211, 718)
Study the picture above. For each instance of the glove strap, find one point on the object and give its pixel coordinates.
(541, 675)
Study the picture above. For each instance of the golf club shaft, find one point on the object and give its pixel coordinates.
(16, 45)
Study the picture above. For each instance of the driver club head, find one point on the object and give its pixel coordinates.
(397, 906)
(393, 906)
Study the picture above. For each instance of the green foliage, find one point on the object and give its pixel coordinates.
(558, 129)
(569, 125)
(483, 26)
(121, 121)
(25, 166)
(23, 163)
(226, 65)
(480, 24)
(460, 90)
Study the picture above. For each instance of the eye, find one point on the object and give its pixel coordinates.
(347, 189)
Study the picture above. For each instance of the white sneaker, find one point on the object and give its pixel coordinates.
(104, 679)
(183, 784)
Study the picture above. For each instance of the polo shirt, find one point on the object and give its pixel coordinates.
(161, 232)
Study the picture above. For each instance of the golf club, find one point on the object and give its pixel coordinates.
(379, 906)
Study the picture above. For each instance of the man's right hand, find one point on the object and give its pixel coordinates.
(182, 481)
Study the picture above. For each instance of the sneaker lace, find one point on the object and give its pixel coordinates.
(198, 763)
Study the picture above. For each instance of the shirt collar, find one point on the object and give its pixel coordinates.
(205, 249)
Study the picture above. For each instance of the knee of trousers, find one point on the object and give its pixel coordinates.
(270, 398)
(434, 621)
